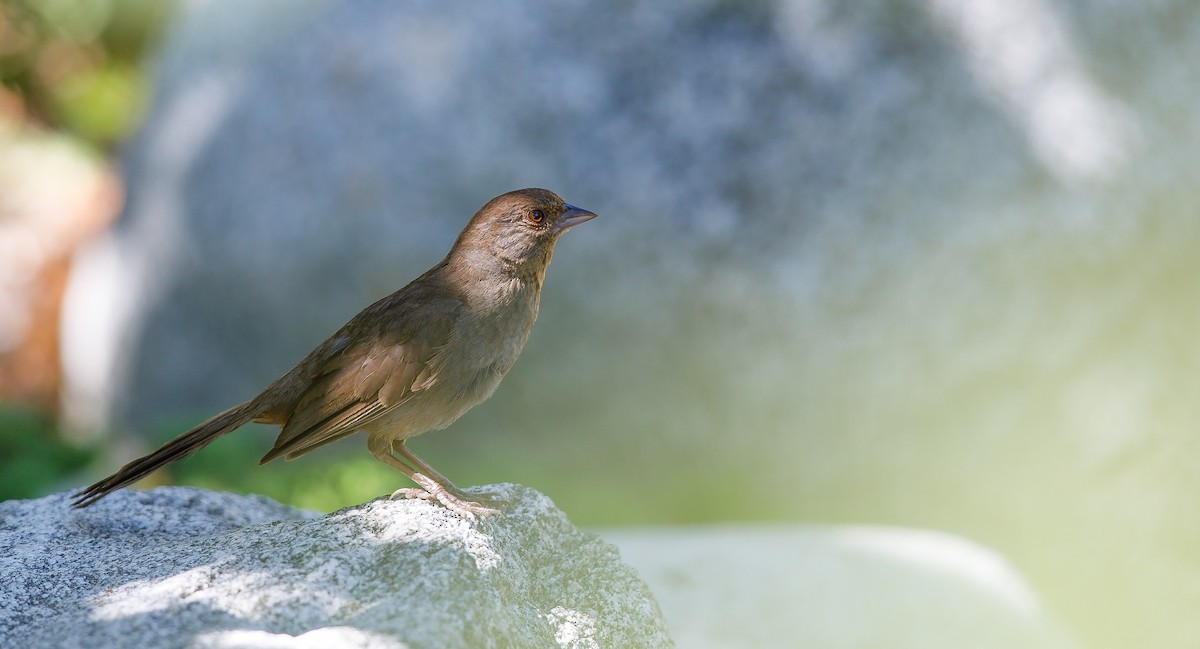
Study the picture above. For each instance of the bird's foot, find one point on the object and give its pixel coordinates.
(431, 490)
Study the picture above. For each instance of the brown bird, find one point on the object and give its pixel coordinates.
(412, 362)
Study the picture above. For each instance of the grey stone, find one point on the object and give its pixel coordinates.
(180, 567)
(837, 587)
(301, 160)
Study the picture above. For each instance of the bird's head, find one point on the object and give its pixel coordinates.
(519, 228)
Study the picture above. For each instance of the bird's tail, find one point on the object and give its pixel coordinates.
(176, 449)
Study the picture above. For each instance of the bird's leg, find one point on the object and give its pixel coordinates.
(441, 481)
(430, 488)
(382, 450)
(411, 458)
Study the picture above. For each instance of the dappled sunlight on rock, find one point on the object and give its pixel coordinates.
(187, 567)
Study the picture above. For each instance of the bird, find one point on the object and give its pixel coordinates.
(412, 362)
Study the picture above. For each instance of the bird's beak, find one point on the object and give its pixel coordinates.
(572, 217)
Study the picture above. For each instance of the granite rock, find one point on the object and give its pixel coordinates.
(181, 567)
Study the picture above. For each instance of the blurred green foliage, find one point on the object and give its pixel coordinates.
(345, 474)
(77, 66)
(598, 486)
(73, 70)
(33, 458)
(322, 481)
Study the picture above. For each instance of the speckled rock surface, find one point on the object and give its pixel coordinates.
(177, 567)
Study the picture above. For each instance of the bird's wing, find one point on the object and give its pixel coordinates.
(363, 381)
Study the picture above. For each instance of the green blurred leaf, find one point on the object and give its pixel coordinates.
(33, 458)
(102, 105)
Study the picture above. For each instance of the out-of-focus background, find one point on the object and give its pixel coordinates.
(926, 263)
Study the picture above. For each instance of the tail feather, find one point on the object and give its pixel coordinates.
(176, 449)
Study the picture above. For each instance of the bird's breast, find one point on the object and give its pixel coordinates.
(488, 338)
(500, 326)
(485, 340)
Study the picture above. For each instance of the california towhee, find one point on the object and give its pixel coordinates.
(412, 362)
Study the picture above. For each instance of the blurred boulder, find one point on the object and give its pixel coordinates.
(177, 567)
(836, 587)
(286, 177)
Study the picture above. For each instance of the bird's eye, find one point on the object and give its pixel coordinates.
(537, 216)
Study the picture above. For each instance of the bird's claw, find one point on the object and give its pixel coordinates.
(411, 493)
(430, 490)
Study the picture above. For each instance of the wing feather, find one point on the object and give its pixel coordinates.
(361, 383)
